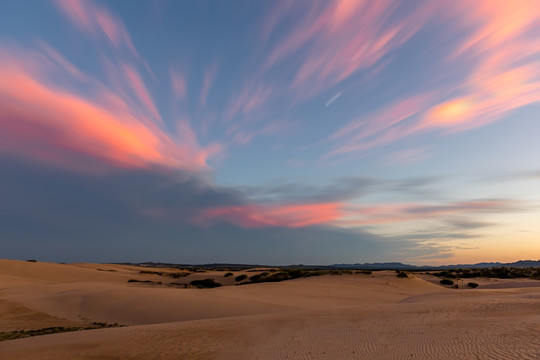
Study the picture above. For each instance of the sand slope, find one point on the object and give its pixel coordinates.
(357, 316)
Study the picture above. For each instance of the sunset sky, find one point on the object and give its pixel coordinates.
(270, 132)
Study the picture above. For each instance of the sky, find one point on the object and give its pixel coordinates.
(270, 132)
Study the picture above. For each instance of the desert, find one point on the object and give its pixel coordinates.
(356, 315)
(280, 180)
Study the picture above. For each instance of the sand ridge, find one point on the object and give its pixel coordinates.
(378, 316)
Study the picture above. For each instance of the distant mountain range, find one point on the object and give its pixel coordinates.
(401, 266)
(364, 266)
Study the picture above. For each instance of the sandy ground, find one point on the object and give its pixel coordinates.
(358, 316)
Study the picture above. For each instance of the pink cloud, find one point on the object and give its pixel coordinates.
(96, 21)
(41, 120)
(499, 46)
(253, 216)
(208, 80)
(407, 156)
(63, 62)
(343, 214)
(380, 128)
(137, 85)
(250, 99)
(358, 215)
(178, 84)
(77, 12)
(338, 38)
(505, 76)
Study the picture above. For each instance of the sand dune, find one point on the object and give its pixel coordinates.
(356, 316)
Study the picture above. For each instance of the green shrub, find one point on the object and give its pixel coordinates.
(365, 272)
(31, 260)
(205, 284)
(229, 274)
(447, 282)
(472, 285)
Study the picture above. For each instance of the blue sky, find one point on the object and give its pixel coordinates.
(270, 132)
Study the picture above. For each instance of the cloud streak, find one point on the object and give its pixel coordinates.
(97, 22)
(495, 58)
(42, 120)
(339, 38)
(343, 214)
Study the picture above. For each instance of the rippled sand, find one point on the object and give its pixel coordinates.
(358, 316)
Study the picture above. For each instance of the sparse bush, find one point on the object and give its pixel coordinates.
(365, 272)
(241, 277)
(258, 277)
(229, 274)
(205, 284)
(144, 281)
(31, 260)
(18, 334)
(472, 285)
(150, 272)
(402, 274)
(495, 272)
(179, 285)
(179, 274)
(447, 282)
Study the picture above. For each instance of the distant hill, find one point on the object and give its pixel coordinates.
(364, 266)
(401, 266)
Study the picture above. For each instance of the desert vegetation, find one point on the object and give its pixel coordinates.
(288, 274)
(205, 284)
(241, 277)
(18, 334)
(402, 274)
(174, 275)
(365, 272)
(145, 282)
(496, 272)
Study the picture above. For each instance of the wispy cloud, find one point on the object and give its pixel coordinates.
(293, 215)
(349, 215)
(496, 57)
(502, 49)
(402, 212)
(250, 99)
(179, 85)
(43, 120)
(137, 85)
(380, 128)
(96, 21)
(209, 77)
(339, 38)
(315, 48)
